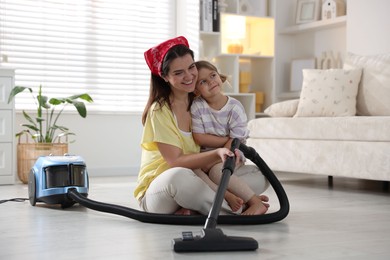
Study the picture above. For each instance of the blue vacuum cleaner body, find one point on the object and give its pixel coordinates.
(52, 176)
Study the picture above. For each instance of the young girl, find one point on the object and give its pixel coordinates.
(167, 182)
(216, 119)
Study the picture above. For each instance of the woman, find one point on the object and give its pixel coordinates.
(166, 181)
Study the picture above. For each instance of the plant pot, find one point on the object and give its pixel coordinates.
(28, 153)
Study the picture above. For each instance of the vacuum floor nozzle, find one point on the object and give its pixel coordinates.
(212, 239)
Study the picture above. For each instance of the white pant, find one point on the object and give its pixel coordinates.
(181, 187)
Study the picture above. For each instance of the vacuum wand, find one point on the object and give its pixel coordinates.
(212, 238)
(227, 171)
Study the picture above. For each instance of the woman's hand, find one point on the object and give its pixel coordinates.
(224, 153)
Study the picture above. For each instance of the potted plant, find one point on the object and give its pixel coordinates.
(43, 128)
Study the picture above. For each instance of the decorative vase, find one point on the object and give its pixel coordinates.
(235, 48)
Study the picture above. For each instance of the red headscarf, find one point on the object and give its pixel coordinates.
(155, 55)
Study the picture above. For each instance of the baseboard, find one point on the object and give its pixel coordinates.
(113, 171)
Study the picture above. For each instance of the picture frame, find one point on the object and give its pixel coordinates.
(307, 11)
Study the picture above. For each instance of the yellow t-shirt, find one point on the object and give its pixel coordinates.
(160, 127)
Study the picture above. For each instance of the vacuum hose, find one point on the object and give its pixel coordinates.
(147, 217)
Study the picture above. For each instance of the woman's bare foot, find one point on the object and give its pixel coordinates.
(186, 212)
(234, 202)
(257, 205)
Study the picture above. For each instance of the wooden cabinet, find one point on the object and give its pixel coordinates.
(243, 50)
(7, 138)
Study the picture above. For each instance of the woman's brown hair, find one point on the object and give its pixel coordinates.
(159, 89)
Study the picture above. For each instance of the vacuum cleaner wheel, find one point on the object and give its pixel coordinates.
(32, 188)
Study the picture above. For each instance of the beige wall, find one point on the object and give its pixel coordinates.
(368, 26)
(108, 143)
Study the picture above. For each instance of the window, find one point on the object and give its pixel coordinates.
(77, 46)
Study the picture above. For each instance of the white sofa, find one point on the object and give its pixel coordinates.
(335, 128)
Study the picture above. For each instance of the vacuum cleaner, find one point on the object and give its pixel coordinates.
(52, 177)
(64, 180)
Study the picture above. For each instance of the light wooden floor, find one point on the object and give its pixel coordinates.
(350, 221)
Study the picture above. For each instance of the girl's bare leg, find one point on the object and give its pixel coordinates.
(234, 202)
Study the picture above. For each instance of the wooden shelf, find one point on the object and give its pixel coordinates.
(315, 26)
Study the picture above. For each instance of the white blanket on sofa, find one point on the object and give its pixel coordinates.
(357, 147)
(355, 128)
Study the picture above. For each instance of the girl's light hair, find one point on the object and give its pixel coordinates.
(203, 64)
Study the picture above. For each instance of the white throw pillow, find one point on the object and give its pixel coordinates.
(373, 97)
(286, 108)
(328, 92)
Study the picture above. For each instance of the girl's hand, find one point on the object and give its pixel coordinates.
(224, 153)
(240, 158)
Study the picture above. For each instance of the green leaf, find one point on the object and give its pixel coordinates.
(80, 106)
(32, 127)
(22, 133)
(42, 100)
(66, 134)
(56, 101)
(84, 96)
(62, 128)
(39, 119)
(28, 118)
(16, 90)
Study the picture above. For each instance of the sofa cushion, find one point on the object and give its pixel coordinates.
(328, 92)
(373, 97)
(286, 108)
(354, 128)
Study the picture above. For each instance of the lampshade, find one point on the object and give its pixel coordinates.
(235, 27)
